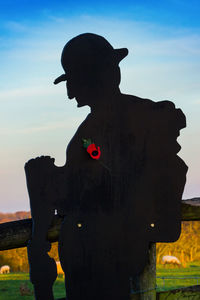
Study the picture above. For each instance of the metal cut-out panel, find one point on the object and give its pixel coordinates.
(120, 188)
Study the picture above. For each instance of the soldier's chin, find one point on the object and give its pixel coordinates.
(70, 96)
(80, 104)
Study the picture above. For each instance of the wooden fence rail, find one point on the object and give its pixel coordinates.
(16, 234)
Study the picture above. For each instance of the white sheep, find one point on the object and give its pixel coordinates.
(5, 269)
(168, 259)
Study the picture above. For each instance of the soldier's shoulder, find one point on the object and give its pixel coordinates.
(163, 111)
(137, 106)
(137, 101)
(146, 103)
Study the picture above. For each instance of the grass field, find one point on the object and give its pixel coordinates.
(10, 287)
(178, 277)
(10, 283)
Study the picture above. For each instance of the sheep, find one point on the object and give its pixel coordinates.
(5, 269)
(168, 259)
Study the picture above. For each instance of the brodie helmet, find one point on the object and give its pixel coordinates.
(89, 50)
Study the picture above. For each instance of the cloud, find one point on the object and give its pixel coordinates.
(30, 92)
(46, 39)
(50, 126)
(17, 27)
(180, 46)
(163, 61)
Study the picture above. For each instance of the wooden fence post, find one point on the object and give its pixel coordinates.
(144, 286)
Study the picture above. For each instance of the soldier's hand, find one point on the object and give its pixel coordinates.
(38, 168)
(39, 164)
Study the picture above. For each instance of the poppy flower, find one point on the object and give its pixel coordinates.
(94, 151)
(91, 148)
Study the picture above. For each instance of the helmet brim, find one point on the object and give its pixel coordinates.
(118, 53)
(62, 77)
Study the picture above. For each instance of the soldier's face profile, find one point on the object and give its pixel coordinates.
(78, 87)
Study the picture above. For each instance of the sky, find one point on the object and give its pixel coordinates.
(36, 117)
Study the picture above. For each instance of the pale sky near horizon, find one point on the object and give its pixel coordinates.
(36, 117)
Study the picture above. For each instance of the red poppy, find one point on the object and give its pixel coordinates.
(94, 151)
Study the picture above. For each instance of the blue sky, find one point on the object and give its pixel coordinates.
(163, 38)
(176, 12)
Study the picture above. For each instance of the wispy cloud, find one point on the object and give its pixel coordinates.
(179, 46)
(196, 101)
(14, 26)
(30, 92)
(69, 124)
(163, 61)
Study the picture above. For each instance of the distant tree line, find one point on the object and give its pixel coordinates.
(19, 215)
(187, 248)
(17, 258)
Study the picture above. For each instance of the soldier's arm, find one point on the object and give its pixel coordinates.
(43, 271)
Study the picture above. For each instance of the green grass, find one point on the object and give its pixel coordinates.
(192, 270)
(10, 283)
(10, 286)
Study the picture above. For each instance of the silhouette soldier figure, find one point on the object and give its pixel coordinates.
(120, 188)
